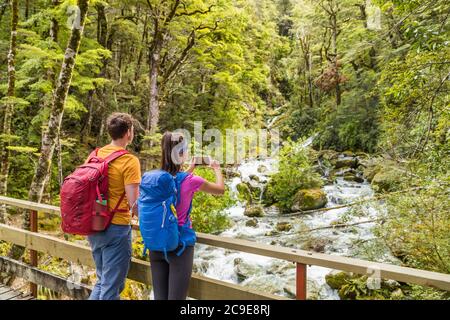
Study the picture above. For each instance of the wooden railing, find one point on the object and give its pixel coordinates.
(206, 288)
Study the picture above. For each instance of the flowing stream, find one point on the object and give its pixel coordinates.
(277, 276)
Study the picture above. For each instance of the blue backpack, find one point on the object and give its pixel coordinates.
(158, 197)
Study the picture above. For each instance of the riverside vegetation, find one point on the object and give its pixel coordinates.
(368, 79)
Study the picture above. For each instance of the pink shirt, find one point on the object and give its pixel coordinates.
(188, 187)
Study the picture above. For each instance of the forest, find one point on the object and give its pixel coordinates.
(367, 80)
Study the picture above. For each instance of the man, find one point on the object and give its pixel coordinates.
(111, 248)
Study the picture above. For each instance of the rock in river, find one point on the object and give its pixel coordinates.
(309, 199)
(283, 226)
(254, 211)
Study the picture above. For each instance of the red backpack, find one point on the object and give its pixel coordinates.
(84, 196)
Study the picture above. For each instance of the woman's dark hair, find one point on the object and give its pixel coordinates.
(172, 147)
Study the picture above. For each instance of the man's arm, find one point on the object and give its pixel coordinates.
(132, 193)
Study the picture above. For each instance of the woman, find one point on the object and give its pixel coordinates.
(171, 274)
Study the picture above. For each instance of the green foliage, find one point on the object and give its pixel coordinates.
(295, 172)
(416, 227)
(208, 211)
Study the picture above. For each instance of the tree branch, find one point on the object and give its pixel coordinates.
(186, 13)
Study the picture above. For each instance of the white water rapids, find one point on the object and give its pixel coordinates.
(277, 276)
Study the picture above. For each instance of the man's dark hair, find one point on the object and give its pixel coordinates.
(118, 124)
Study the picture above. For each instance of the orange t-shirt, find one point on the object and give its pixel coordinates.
(123, 171)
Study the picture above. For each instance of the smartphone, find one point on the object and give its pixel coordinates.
(202, 160)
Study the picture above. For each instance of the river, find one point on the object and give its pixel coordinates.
(277, 276)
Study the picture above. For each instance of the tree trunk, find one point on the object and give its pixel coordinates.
(59, 99)
(153, 109)
(335, 57)
(54, 26)
(49, 139)
(9, 106)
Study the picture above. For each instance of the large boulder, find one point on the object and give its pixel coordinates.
(309, 199)
(254, 211)
(386, 180)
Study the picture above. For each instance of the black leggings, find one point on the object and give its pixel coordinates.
(171, 280)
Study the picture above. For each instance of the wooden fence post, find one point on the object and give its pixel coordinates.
(301, 281)
(33, 253)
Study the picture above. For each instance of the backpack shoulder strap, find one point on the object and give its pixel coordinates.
(179, 178)
(116, 154)
(92, 154)
(113, 156)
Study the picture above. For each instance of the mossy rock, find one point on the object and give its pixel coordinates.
(254, 211)
(251, 223)
(283, 226)
(346, 162)
(231, 173)
(337, 279)
(353, 177)
(327, 155)
(244, 192)
(262, 169)
(349, 153)
(370, 172)
(309, 199)
(386, 180)
(254, 177)
(316, 244)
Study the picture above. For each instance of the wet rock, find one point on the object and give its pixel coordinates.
(280, 267)
(262, 169)
(232, 173)
(254, 211)
(201, 267)
(283, 226)
(353, 177)
(244, 192)
(251, 223)
(309, 199)
(271, 233)
(346, 162)
(254, 177)
(244, 270)
(316, 244)
(266, 283)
